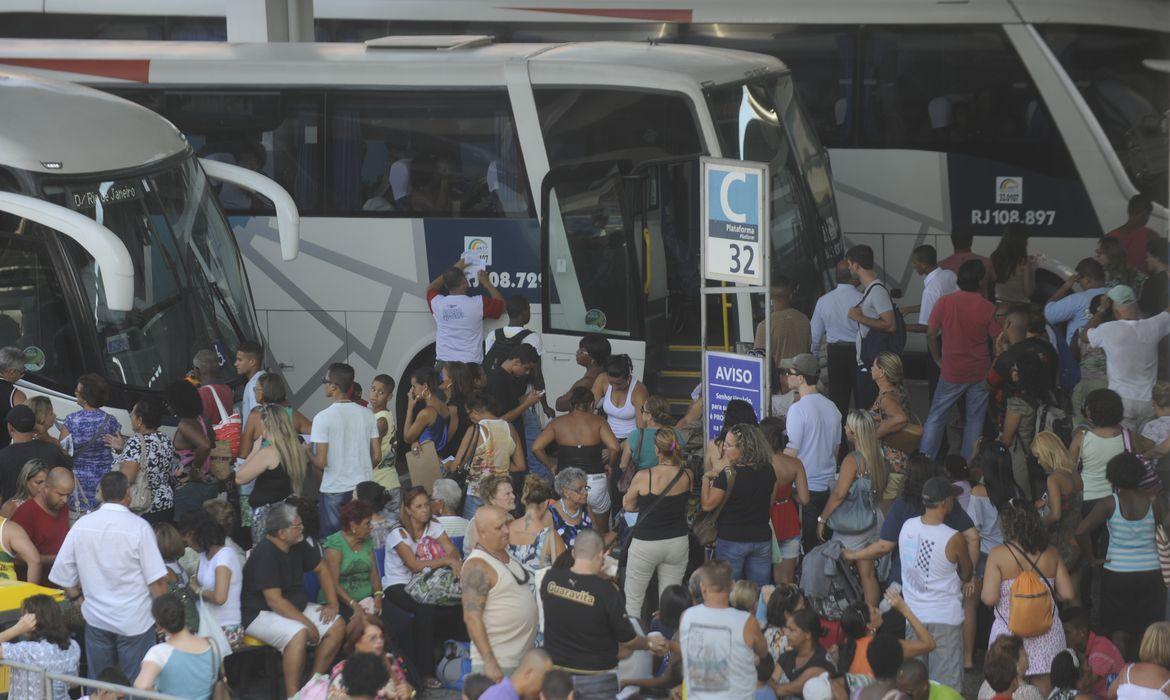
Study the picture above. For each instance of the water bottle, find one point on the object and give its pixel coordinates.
(884, 606)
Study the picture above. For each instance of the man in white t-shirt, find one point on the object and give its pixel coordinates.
(1131, 351)
(519, 316)
(936, 283)
(814, 434)
(458, 316)
(936, 567)
(346, 445)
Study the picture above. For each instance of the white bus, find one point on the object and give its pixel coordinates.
(402, 154)
(114, 257)
(936, 114)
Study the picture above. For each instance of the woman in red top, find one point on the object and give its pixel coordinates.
(791, 488)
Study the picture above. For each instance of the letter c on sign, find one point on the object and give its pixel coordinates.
(734, 216)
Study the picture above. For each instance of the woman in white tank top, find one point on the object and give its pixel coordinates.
(618, 384)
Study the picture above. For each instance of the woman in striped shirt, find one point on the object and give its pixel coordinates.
(1132, 593)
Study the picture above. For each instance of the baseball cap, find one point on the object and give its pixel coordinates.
(1122, 295)
(804, 363)
(22, 419)
(937, 489)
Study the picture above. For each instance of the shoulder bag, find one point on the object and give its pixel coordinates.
(140, 495)
(858, 512)
(424, 466)
(228, 429)
(908, 437)
(706, 526)
(875, 342)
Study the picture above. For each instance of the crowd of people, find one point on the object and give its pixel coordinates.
(593, 545)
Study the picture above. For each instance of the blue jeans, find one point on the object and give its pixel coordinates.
(331, 511)
(104, 649)
(946, 395)
(748, 560)
(532, 430)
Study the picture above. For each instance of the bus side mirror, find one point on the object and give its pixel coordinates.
(288, 219)
(108, 251)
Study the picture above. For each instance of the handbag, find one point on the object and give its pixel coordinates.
(424, 466)
(140, 495)
(220, 690)
(875, 342)
(228, 429)
(907, 438)
(221, 459)
(706, 526)
(435, 586)
(209, 627)
(462, 471)
(858, 512)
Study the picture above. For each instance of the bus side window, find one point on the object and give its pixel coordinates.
(958, 90)
(415, 154)
(277, 134)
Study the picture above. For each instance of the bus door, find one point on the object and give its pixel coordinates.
(620, 259)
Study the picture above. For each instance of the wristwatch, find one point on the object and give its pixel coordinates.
(820, 520)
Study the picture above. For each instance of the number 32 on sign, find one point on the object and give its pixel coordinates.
(735, 220)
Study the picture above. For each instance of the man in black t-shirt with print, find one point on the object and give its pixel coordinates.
(585, 621)
(274, 604)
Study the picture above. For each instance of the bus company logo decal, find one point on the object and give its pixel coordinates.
(1009, 190)
(480, 247)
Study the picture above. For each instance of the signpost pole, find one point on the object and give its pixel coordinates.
(734, 219)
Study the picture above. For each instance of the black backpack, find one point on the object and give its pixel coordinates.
(876, 342)
(502, 347)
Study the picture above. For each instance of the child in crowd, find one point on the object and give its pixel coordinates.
(474, 685)
(114, 676)
(1001, 675)
(386, 472)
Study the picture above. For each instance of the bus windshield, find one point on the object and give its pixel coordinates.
(1129, 100)
(191, 293)
(761, 120)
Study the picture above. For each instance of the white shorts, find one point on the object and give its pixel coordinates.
(598, 493)
(277, 630)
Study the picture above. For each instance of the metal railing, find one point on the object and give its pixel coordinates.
(47, 678)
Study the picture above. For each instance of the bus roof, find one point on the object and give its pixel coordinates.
(1141, 14)
(54, 127)
(218, 63)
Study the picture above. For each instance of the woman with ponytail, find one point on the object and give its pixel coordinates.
(659, 541)
(532, 539)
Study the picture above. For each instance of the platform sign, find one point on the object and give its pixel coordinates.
(734, 217)
(730, 376)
